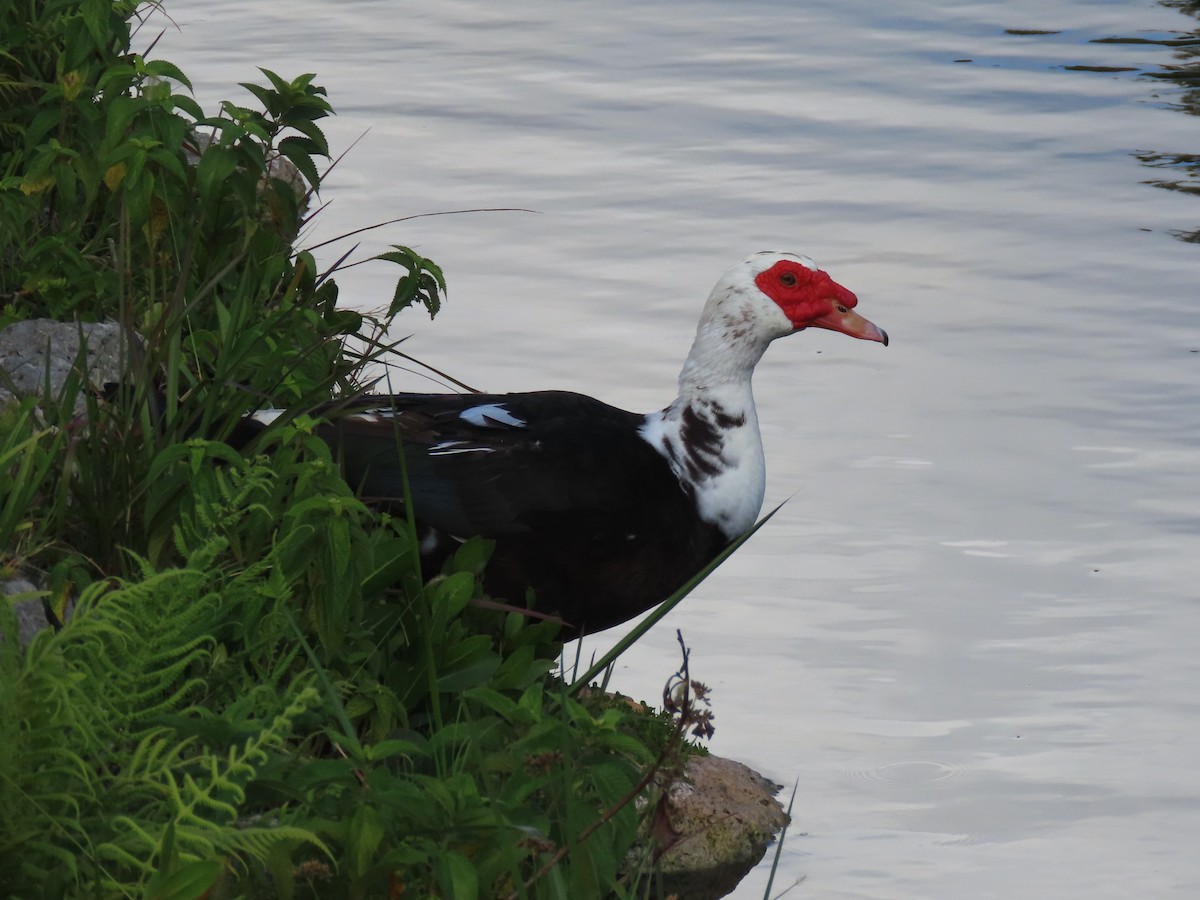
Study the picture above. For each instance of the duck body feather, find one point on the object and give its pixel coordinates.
(581, 507)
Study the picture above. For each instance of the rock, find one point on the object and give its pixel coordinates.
(30, 612)
(279, 168)
(26, 348)
(726, 816)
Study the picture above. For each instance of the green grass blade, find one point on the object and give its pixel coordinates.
(666, 606)
(335, 700)
(779, 845)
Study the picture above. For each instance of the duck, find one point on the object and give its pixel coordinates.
(602, 513)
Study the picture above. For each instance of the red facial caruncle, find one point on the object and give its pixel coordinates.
(811, 299)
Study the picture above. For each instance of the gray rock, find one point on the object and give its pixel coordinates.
(27, 347)
(278, 167)
(725, 816)
(31, 614)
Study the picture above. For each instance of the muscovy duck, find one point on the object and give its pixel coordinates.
(603, 512)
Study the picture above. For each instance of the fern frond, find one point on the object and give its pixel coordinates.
(198, 794)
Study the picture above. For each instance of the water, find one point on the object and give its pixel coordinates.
(971, 634)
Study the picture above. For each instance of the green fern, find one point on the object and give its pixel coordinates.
(93, 781)
(204, 794)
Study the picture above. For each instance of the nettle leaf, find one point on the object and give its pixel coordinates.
(282, 86)
(299, 151)
(301, 83)
(424, 281)
(312, 131)
(267, 97)
(188, 105)
(160, 68)
(117, 78)
(294, 547)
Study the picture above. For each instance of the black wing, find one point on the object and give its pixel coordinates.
(500, 464)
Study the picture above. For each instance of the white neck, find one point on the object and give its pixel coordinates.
(725, 352)
(709, 434)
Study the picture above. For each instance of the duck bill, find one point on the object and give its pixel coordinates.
(847, 321)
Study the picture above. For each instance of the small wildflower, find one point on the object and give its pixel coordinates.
(312, 870)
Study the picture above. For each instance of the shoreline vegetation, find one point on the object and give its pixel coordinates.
(248, 689)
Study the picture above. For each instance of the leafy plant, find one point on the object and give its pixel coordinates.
(175, 713)
(256, 693)
(27, 453)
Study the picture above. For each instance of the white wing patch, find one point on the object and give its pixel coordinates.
(489, 415)
(378, 414)
(448, 448)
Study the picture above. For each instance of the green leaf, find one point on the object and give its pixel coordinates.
(188, 105)
(472, 556)
(450, 595)
(160, 68)
(424, 281)
(387, 749)
(311, 131)
(279, 83)
(457, 876)
(612, 780)
(268, 98)
(216, 164)
(366, 833)
(359, 706)
(299, 152)
(95, 16)
(493, 700)
(521, 668)
(191, 881)
(468, 674)
(533, 699)
(170, 162)
(120, 113)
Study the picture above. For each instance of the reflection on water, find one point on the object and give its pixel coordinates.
(1180, 91)
(1183, 78)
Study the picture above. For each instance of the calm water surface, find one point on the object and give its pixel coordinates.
(972, 633)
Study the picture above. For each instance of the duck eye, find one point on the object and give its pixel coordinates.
(842, 309)
(788, 279)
